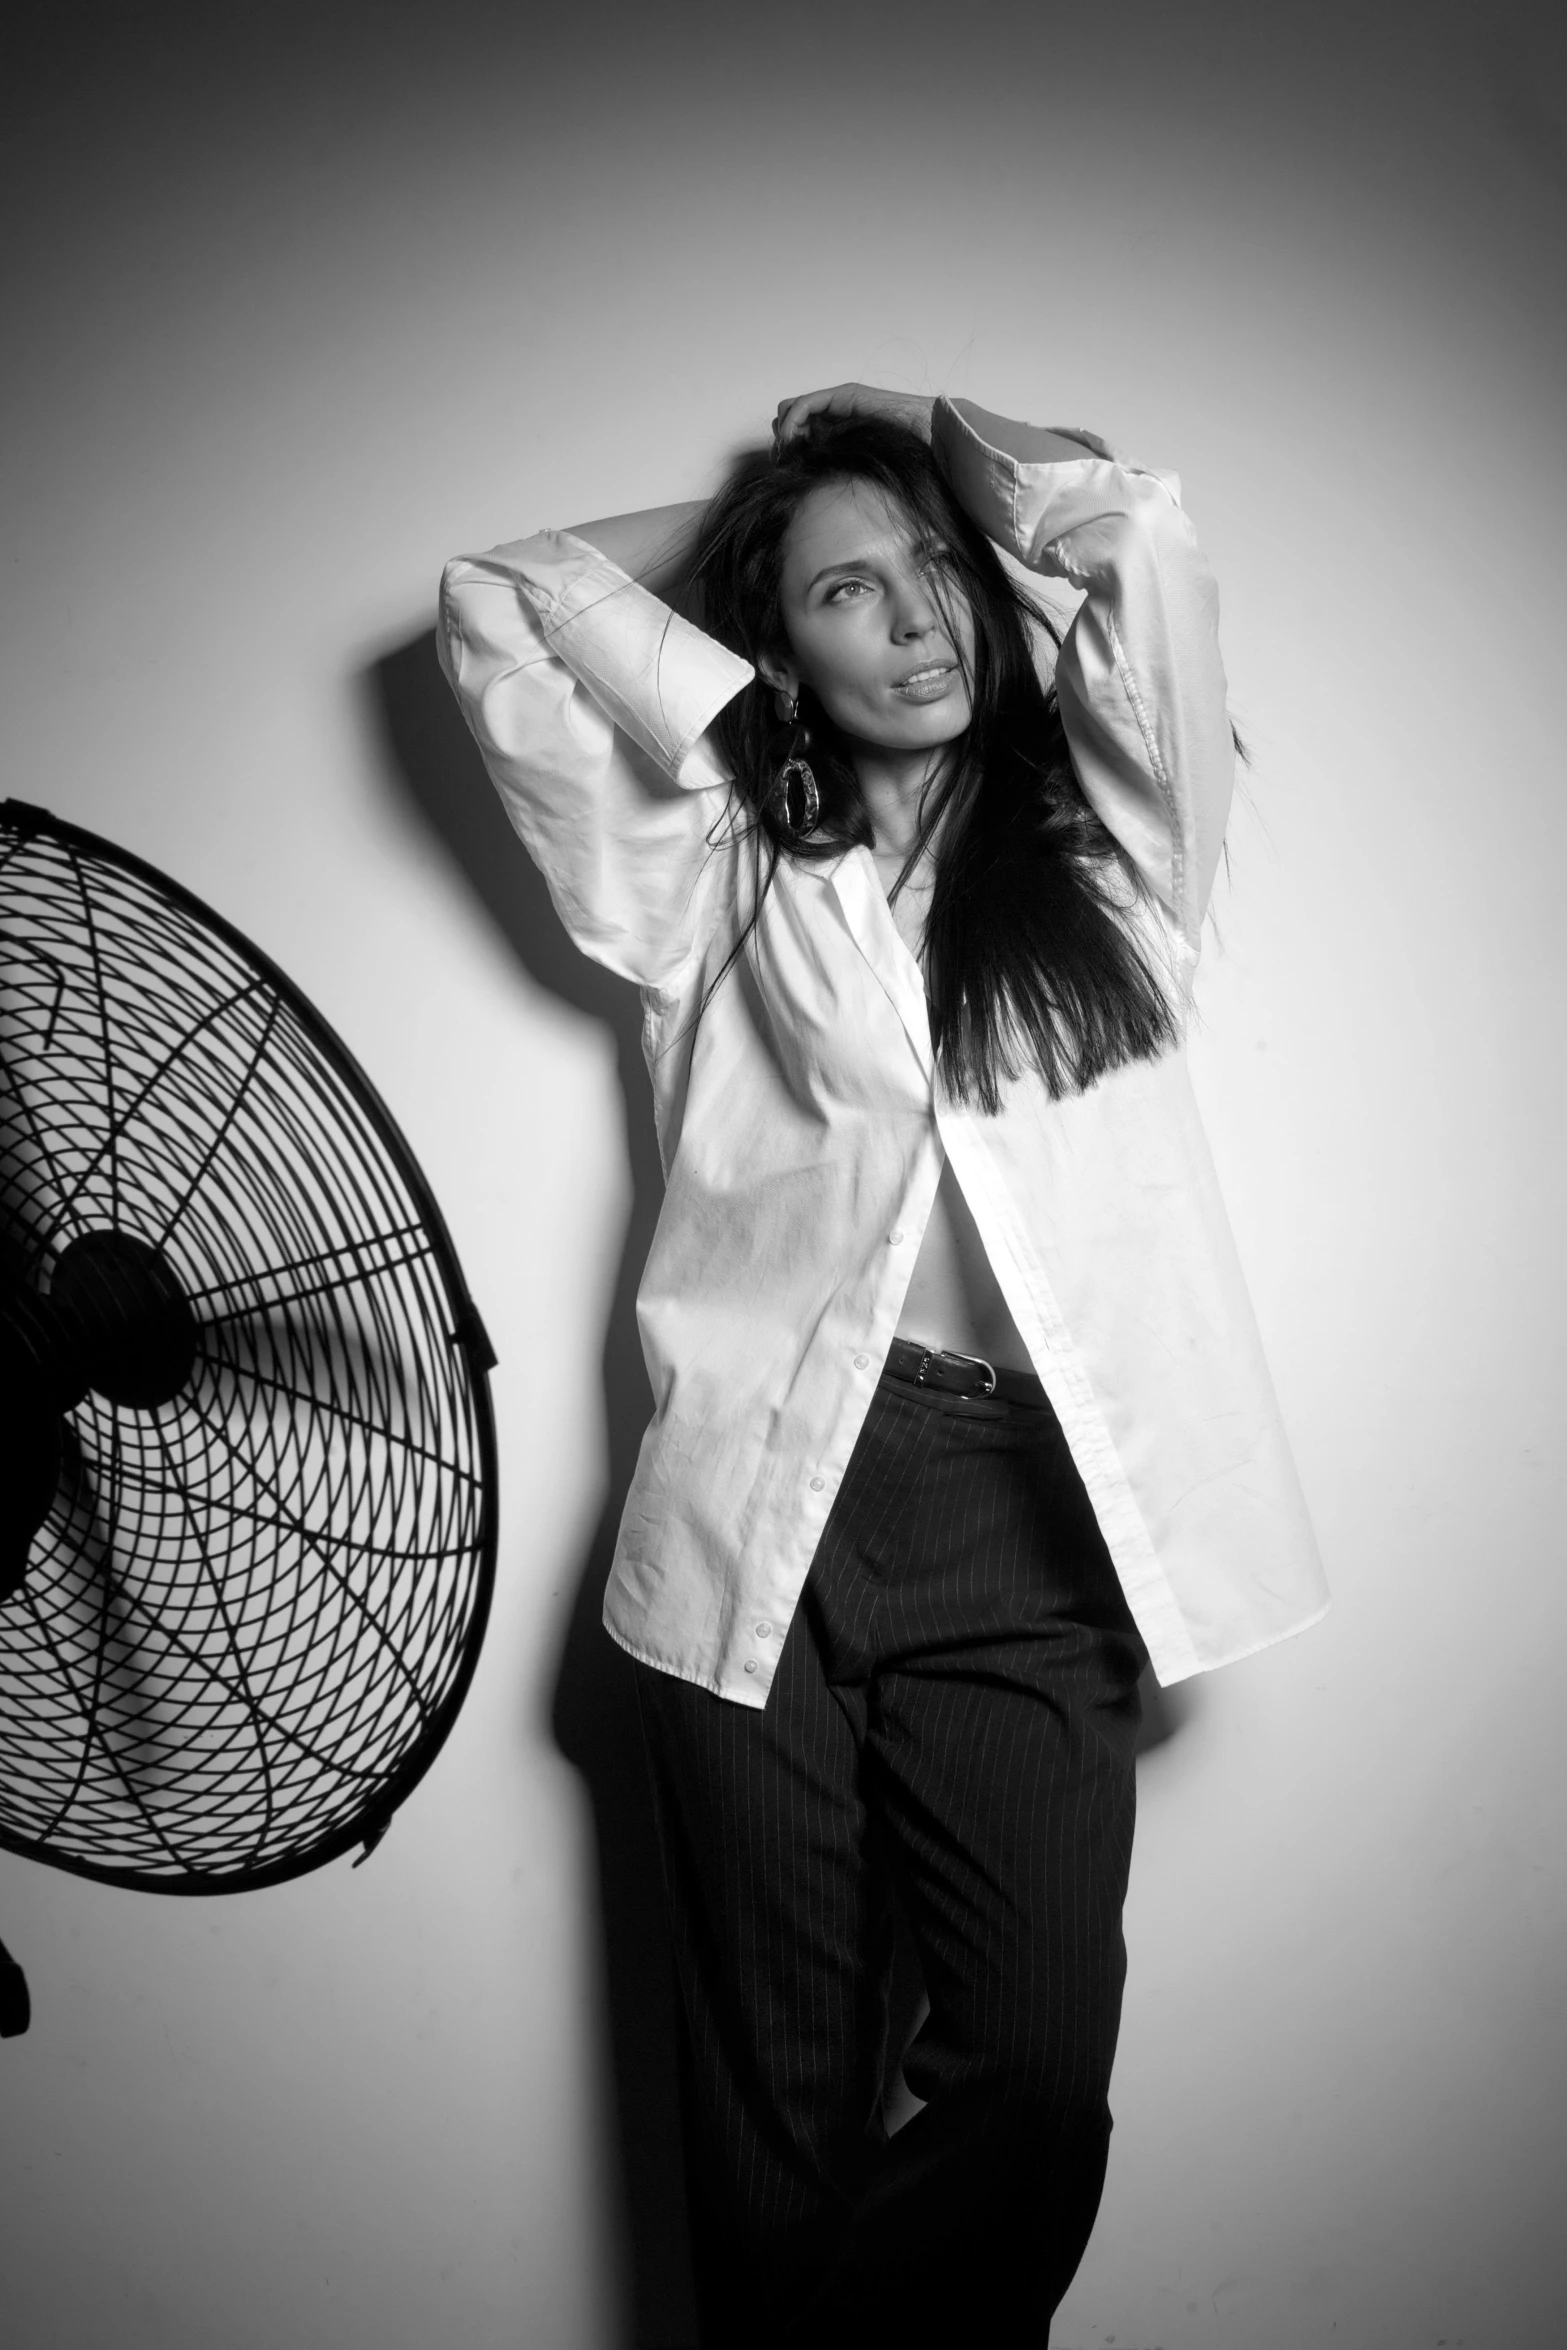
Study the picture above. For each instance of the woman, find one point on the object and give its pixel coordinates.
(960, 1416)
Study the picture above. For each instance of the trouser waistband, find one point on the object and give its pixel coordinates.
(957, 1374)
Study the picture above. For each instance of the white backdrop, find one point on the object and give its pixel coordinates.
(301, 301)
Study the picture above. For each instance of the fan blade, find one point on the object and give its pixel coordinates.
(77, 1576)
(316, 1358)
(311, 1358)
(29, 1486)
(32, 1205)
(36, 1192)
(131, 1649)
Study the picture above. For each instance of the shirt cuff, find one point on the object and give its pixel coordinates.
(658, 678)
(1009, 495)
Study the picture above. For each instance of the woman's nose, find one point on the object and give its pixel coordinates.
(914, 610)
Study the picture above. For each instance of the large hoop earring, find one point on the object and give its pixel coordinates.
(794, 774)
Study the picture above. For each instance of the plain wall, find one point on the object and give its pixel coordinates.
(299, 302)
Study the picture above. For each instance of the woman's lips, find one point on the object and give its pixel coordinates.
(927, 684)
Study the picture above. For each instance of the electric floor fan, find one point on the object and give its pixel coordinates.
(247, 1507)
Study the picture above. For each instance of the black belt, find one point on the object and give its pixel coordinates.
(955, 1374)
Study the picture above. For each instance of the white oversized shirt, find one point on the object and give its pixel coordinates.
(804, 1130)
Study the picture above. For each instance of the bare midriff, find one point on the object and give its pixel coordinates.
(954, 1300)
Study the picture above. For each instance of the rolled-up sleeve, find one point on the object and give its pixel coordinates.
(1141, 683)
(591, 703)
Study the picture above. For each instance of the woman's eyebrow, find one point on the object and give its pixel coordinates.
(931, 543)
(831, 570)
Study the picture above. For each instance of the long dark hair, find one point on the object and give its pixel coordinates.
(1028, 957)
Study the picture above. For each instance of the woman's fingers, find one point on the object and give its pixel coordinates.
(906, 408)
(793, 411)
(835, 400)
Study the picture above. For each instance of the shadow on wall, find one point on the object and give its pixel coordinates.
(594, 1710)
(594, 1715)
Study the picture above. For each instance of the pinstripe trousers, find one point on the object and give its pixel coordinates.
(952, 1728)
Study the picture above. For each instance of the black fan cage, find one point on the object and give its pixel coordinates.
(252, 1612)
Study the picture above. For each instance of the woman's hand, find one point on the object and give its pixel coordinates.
(655, 547)
(906, 408)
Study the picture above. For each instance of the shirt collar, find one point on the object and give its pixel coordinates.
(857, 885)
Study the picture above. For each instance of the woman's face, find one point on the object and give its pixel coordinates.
(877, 626)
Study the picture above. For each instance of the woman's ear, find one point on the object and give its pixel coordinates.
(784, 679)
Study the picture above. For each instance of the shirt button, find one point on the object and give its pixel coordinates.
(816, 1484)
(750, 1664)
(860, 1362)
(894, 1237)
(764, 1631)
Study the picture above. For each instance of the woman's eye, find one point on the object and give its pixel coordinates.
(844, 588)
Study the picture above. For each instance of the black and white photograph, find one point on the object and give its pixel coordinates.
(782, 1084)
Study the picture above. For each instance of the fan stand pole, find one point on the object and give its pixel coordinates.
(16, 2009)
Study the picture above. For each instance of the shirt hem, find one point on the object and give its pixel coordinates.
(1168, 1678)
(1237, 1656)
(659, 1664)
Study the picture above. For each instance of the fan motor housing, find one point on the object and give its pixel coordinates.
(124, 1326)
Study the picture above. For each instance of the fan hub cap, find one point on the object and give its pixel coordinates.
(124, 1328)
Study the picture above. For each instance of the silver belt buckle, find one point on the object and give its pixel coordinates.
(949, 1356)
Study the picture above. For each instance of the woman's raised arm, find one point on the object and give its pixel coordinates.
(1031, 444)
(590, 701)
(1140, 680)
(653, 547)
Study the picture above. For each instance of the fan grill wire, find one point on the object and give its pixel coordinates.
(252, 1609)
